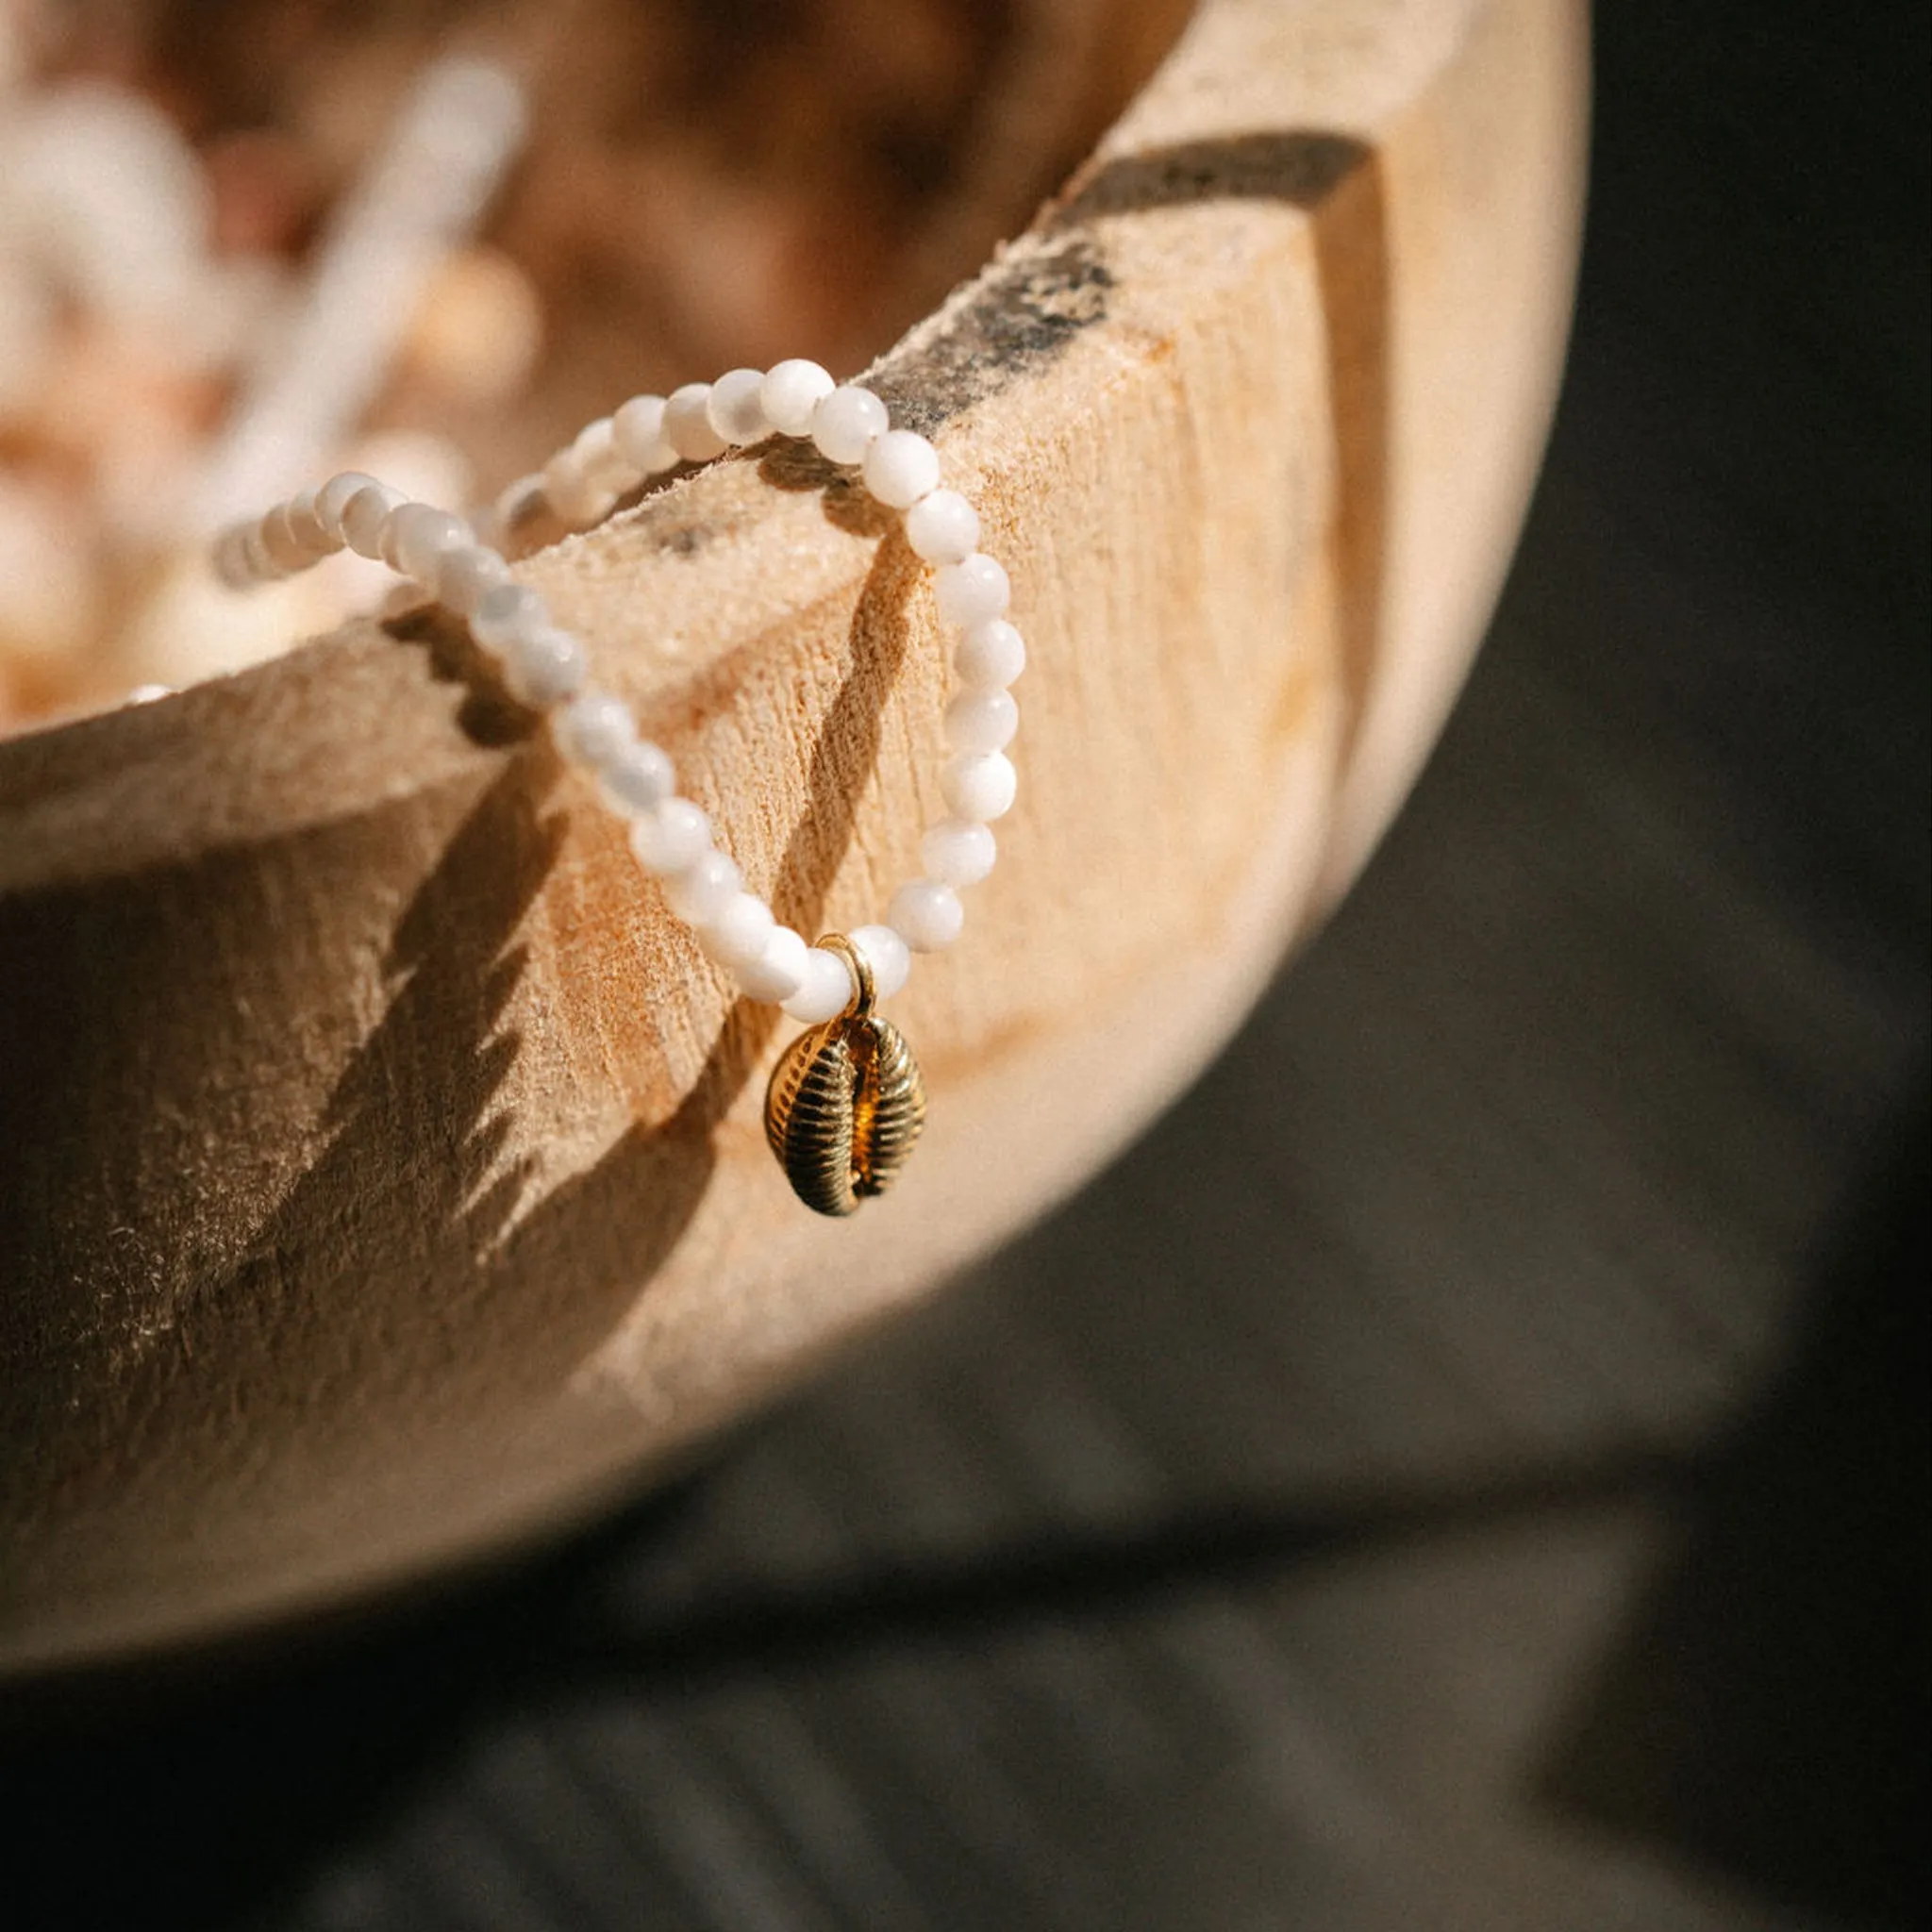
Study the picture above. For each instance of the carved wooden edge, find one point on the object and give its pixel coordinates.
(391, 1180)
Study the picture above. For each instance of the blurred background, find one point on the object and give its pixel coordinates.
(1468, 1467)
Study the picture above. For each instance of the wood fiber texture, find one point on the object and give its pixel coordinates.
(386, 1175)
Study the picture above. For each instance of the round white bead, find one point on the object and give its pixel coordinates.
(595, 729)
(333, 498)
(307, 526)
(671, 837)
(887, 953)
(230, 557)
(417, 535)
(735, 935)
(824, 992)
(393, 527)
(980, 785)
(926, 914)
(638, 429)
(565, 486)
(991, 655)
(364, 515)
(505, 615)
(972, 590)
(466, 575)
(703, 890)
(261, 567)
(958, 852)
(778, 972)
(791, 392)
(544, 666)
(981, 721)
(590, 507)
(596, 455)
(513, 504)
(942, 527)
(280, 545)
(687, 427)
(584, 480)
(586, 505)
(845, 423)
(901, 466)
(638, 779)
(735, 409)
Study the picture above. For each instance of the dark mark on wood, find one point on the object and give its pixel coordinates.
(797, 466)
(1026, 313)
(1303, 167)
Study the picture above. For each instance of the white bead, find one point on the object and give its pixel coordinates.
(669, 837)
(979, 786)
(564, 484)
(887, 955)
(845, 423)
(260, 565)
(778, 972)
(586, 505)
(972, 590)
(686, 427)
(465, 577)
(595, 729)
(305, 526)
(637, 428)
(230, 557)
(991, 655)
(942, 527)
(825, 990)
(703, 890)
(901, 467)
(544, 666)
(333, 498)
(280, 545)
(958, 852)
(595, 453)
(584, 480)
(735, 408)
(505, 614)
(417, 536)
(791, 392)
(514, 503)
(364, 515)
(394, 525)
(926, 914)
(735, 934)
(638, 781)
(981, 721)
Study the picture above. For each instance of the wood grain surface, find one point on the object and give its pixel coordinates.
(385, 1168)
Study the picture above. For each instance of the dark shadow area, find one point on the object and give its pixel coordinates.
(1768, 1710)
(188, 1792)
(224, 1776)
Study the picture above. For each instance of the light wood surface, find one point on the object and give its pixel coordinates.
(385, 1176)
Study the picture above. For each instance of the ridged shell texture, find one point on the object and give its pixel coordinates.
(843, 1110)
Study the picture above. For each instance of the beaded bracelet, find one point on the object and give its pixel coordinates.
(845, 1102)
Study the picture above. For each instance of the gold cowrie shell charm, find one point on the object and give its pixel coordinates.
(845, 1102)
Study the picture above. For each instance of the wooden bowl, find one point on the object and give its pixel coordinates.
(385, 1179)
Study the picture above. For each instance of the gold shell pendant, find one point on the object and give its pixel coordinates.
(845, 1103)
